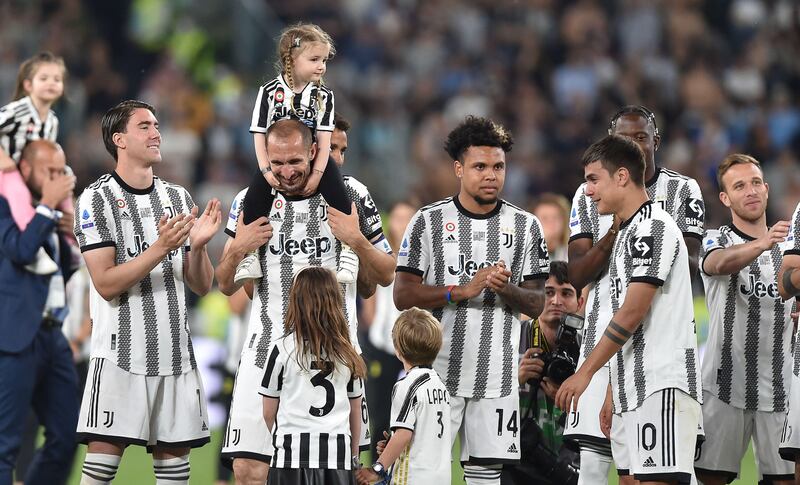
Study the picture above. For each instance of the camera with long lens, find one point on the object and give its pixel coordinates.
(561, 363)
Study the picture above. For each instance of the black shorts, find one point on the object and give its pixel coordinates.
(310, 476)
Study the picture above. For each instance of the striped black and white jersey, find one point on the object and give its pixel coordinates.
(420, 403)
(792, 248)
(678, 195)
(746, 361)
(445, 244)
(301, 237)
(662, 353)
(276, 101)
(20, 124)
(144, 330)
(312, 427)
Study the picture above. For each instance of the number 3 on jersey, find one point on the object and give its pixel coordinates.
(320, 380)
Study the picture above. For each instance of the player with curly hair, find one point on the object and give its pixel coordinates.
(476, 262)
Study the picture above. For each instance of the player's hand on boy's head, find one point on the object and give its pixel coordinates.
(254, 235)
(172, 233)
(207, 224)
(345, 227)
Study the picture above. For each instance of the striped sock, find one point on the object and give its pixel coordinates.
(99, 469)
(174, 471)
(482, 475)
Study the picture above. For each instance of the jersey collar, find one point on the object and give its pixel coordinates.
(741, 233)
(473, 215)
(128, 188)
(646, 204)
(654, 178)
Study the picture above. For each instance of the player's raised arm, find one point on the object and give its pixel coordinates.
(587, 258)
(197, 269)
(248, 237)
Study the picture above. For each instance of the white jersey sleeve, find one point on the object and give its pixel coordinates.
(404, 403)
(580, 222)
(691, 216)
(94, 221)
(233, 214)
(653, 251)
(536, 263)
(414, 256)
(713, 239)
(272, 383)
(260, 117)
(369, 217)
(325, 110)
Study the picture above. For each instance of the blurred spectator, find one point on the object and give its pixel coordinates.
(552, 210)
(724, 76)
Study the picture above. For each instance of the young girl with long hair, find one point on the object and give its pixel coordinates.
(312, 387)
(40, 83)
(298, 92)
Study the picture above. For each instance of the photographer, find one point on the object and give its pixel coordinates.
(543, 357)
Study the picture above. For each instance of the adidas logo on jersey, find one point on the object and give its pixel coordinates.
(204, 428)
(275, 217)
(649, 463)
(450, 239)
(512, 449)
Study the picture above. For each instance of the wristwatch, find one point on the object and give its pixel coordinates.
(380, 470)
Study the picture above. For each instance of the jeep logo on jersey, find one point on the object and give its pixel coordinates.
(467, 266)
(759, 289)
(694, 210)
(642, 250)
(305, 115)
(140, 246)
(316, 246)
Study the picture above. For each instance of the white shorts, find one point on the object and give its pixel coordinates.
(583, 425)
(729, 432)
(163, 411)
(619, 447)
(488, 428)
(790, 433)
(247, 435)
(660, 437)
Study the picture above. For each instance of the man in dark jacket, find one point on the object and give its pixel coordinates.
(36, 368)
